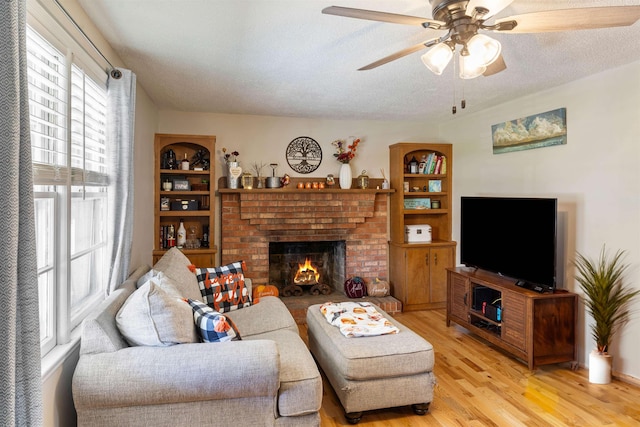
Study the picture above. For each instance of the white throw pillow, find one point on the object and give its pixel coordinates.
(175, 265)
(152, 316)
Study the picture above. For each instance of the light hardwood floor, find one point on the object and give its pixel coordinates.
(478, 385)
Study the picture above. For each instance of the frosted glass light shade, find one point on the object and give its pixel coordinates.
(470, 68)
(437, 58)
(484, 49)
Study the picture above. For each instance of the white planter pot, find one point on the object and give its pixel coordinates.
(599, 368)
(345, 176)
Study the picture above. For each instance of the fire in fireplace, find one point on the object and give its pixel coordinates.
(305, 275)
(313, 267)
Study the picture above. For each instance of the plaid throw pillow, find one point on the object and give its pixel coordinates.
(223, 287)
(211, 325)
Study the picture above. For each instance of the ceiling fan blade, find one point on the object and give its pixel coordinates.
(494, 6)
(572, 19)
(400, 54)
(383, 17)
(495, 67)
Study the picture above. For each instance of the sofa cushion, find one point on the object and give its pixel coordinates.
(177, 266)
(100, 333)
(155, 315)
(270, 314)
(300, 381)
(223, 287)
(211, 325)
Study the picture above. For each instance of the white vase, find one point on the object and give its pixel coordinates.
(599, 368)
(234, 171)
(345, 176)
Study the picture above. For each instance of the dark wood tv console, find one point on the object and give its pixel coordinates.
(539, 328)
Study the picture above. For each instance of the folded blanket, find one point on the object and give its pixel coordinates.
(357, 319)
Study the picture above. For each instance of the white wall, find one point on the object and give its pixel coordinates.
(595, 176)
(265, 139)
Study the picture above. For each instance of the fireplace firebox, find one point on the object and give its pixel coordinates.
(316, 267)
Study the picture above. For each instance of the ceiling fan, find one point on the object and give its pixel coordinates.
(463, 21)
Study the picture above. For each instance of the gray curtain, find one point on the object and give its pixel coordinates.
(20, 382)
(121, 101)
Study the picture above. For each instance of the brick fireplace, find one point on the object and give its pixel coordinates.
(250, 220)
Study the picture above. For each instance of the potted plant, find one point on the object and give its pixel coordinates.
(606, 297)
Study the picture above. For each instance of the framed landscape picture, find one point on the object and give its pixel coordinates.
(539, 130)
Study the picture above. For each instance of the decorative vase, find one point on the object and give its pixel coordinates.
(345, 176)
(599, 367)
(234, 172)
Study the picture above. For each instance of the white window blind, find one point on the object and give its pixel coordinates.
(68, 136)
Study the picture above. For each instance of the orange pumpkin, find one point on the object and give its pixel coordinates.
(264, 291)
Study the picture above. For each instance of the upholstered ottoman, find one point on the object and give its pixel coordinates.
(373, 372)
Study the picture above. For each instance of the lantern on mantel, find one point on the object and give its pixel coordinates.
(363, 180)
(247, 181)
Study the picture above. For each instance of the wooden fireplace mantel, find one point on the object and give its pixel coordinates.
(375, 186)
(288, 189)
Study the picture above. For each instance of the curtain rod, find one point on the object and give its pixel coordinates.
(114, 72)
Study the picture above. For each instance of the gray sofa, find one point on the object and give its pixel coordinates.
(268, 378)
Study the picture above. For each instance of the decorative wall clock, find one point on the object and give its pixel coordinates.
(304, 154)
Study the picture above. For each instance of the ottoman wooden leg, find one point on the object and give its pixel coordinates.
(354, 417)
(420, 408)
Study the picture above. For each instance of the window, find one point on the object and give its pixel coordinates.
(67, 106)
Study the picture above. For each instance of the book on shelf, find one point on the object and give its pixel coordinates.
(438, 165)
(443, 166)
(433, 164)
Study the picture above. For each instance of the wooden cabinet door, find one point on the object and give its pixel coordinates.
(458, 297)
(418, 276)
(514, 319)
(439, 260)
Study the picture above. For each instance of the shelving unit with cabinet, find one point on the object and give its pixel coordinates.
(417, 271)
(190, 197)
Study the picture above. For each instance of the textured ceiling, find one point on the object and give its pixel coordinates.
(286, 58)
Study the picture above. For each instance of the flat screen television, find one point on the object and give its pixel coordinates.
(514, 237)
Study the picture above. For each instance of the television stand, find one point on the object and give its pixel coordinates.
(538, 328)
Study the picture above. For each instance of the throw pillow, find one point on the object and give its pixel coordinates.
(145, 278)
(223, 287)
(152, 316)
(212, 326)
(178, 268)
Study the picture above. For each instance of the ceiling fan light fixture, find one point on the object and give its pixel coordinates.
(437, 58)
(484, 49)
(470, 67)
